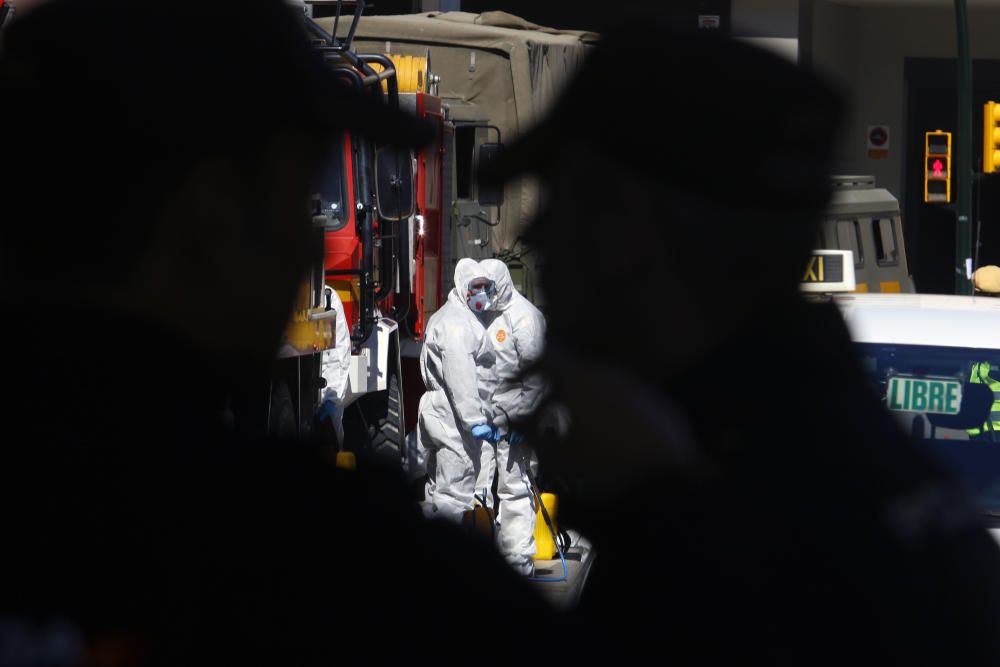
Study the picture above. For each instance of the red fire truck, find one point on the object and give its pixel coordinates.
(380, 211)
(362, 203)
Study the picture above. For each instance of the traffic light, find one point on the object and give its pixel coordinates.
(991, 137)
(937, 167)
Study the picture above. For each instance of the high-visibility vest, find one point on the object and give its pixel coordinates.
(981, 375)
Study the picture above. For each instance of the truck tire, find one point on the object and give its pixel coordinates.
(383, 415)
(281, 418)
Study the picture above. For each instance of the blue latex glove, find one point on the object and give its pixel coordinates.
(327, 410)
(485, 432)
(482, 431)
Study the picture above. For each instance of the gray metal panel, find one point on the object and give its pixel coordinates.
(408, 103)
(447, 209)
(867, 201)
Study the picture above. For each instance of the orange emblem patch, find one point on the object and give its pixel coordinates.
(501, 336)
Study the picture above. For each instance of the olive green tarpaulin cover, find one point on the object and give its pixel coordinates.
(494, 67)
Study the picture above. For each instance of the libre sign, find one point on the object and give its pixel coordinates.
(942, 397)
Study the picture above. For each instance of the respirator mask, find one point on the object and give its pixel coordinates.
(480, 295)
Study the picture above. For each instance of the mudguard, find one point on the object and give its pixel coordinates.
(370, 367)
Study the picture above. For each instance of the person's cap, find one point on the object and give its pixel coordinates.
(700, 113)
(987, 279)
(210, 67)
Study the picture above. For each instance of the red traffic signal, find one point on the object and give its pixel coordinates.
(937, 167)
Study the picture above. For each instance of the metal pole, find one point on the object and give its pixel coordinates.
(965, 175)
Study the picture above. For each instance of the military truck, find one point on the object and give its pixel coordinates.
(866, 220)
(495, 74)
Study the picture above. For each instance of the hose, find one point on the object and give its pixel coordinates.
(548, 522)
(565, 574)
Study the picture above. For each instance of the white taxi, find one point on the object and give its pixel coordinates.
(935, 362)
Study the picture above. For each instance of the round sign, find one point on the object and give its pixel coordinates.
(878, 136)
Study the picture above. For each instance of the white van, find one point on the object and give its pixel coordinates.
(934, 361)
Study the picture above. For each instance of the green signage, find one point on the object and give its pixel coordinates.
(942, 397)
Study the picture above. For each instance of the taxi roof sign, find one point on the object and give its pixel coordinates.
(829, 271)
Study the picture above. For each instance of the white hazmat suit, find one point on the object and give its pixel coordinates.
(335, 366)
(456, 363)
(516, 329)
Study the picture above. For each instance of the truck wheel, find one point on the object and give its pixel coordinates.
(281, 420)
(383, 414)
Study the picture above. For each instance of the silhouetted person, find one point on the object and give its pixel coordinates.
(155, 177)
(746, 495)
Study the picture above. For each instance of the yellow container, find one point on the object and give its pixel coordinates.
(545, 548)
(347, 461)
(479, 520)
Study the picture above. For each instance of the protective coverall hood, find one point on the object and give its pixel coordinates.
(466, 271)
(498, 272)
